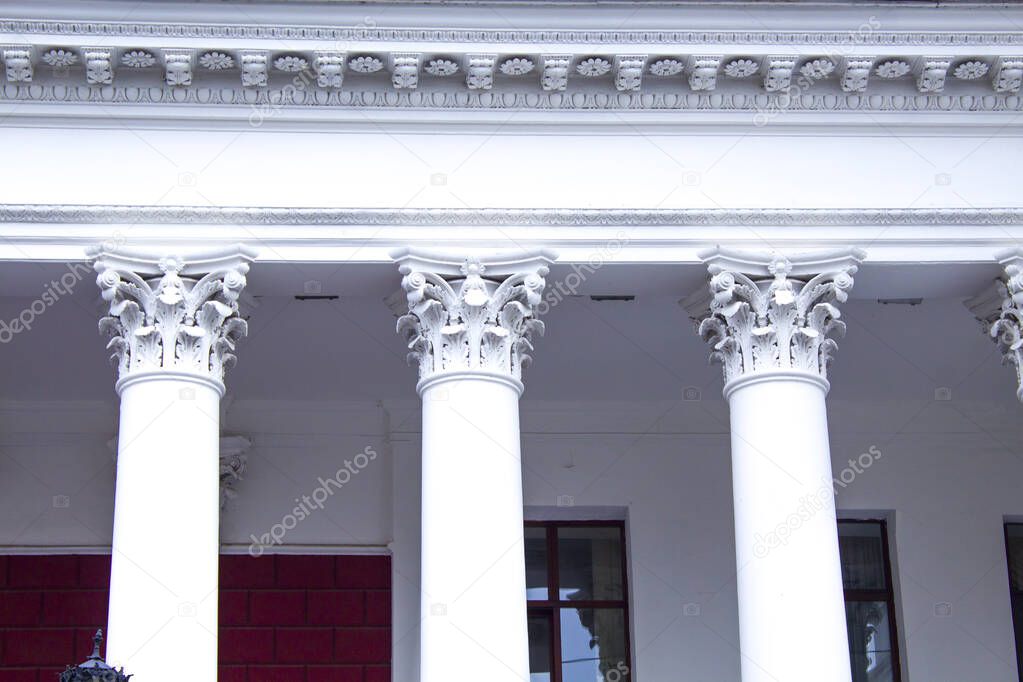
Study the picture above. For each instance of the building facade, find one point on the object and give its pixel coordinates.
(408, 307)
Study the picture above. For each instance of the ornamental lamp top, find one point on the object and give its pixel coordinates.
(94, 669)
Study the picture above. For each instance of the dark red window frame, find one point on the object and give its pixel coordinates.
(886, 595)
(551, 607)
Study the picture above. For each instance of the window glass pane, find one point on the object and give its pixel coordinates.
(541, 655)
(870, 643)
(861, 546)
(1014, 531)
(593, 645)
(536, 563)
(590, 563)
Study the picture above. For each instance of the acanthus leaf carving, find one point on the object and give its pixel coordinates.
(856, 74)
(778, 75)
(1008, 76)
(18, 63)
(999, 308)
(629, 72)
(479, 71)
(554, 72)
(99, 68)
(169, 315)
(330, 69)
(775, 316)
(471, 322)
(405, 70)
(254, 68)
(703, 72)
(933, 71)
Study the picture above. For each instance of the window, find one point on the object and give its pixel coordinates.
(1014, 552)
(578, 610)
(869, 601)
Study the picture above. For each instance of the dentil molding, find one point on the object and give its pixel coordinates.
(770, 313)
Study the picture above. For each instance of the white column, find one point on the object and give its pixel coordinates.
(173, 325)
(768, 320)
(469, 327)
(999, 308)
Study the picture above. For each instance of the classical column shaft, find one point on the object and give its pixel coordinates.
(768, 321)
(470, 336)
(173, 327)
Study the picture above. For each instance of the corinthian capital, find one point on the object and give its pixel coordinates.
(999, 307)
(764, 313)
(171, 313)
(471, 313)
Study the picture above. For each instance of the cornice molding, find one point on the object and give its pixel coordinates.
(484, 35)
(505, 217)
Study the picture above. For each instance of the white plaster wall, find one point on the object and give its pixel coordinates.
(948, 476)
(893, 166)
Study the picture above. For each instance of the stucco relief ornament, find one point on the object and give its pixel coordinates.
(783, 323)
(330, 69)
(254, 68)
(479, 325)
(137, 59)
(666, 67)
(892, 69)
(479, 71)
(290, 64)
(99, 67)
(516, 66)
(999, 309)
(817, 69)
(172, 322)
(60, 58)
(1009, 75)
(969, 71)
(19, 64)
(593, 67)
(216, 61)
(365, 65)
(555, 72)
(741, 68)
(441, 67)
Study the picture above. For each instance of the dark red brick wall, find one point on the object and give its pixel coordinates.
(282, 618)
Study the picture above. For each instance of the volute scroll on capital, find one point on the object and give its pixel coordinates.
(768, 312)
(471, 313)
(168, 313)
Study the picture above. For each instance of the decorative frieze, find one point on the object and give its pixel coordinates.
(471, 314)
(479, 71)
(554, 71)
(18, 63)
(169, 313)
(767, 312)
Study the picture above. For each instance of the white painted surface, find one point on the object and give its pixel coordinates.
(163, 582)
(473, 596)
(786, 539)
